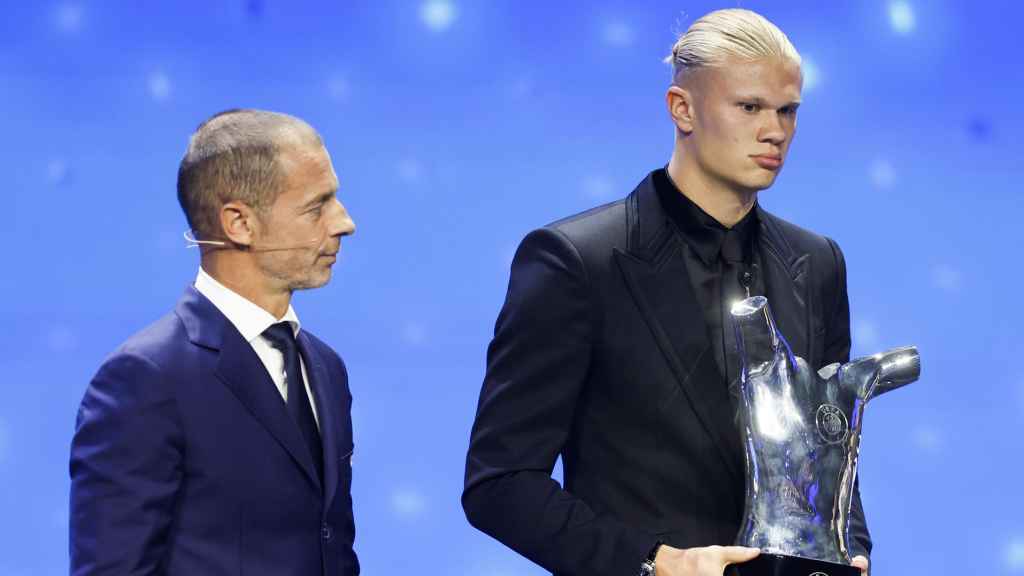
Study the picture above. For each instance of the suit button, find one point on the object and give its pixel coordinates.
(325, 531)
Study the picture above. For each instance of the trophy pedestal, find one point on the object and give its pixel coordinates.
(780, 565)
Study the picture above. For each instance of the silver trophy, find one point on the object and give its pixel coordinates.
(802, 437)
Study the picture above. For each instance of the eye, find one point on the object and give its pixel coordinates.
(750, 107)
(316, 211)
(788, 110)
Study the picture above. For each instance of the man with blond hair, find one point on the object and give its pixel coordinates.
(614, 347)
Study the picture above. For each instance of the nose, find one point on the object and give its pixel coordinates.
(773, 130)
(341, 223)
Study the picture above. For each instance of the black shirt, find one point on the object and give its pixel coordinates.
(716, 260)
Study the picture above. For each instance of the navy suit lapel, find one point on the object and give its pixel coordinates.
(657, 278)
(242, 371)
(327, 405)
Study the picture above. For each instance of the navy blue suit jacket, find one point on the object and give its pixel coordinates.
(185, 460)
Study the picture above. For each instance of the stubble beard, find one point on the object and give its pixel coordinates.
(296, 274)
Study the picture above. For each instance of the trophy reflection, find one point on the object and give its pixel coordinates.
(802, 438)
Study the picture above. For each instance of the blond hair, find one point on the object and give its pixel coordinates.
(734, 32)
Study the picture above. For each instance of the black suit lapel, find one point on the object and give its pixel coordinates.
(244, 374)
(786, 276)
(655, 272)
(327, 405)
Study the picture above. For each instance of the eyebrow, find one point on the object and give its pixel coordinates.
(319, 199)
(761, 101)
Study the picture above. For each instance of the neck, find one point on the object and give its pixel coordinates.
(239, 274)
(723, 203)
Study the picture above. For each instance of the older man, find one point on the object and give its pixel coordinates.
(613, 346)
(218, 440)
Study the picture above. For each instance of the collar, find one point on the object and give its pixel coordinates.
(248, 318)
(700, 230)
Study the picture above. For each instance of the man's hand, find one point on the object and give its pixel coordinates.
(862, 563)
(709, 561)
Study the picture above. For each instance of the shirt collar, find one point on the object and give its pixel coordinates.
(248, 318)
(700, 230)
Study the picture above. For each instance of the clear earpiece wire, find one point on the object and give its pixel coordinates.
(191, 242)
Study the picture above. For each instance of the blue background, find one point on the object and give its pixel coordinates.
(456, 127)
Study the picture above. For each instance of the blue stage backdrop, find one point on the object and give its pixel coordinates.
(456, 126)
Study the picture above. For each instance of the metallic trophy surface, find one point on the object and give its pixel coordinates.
(802, 437)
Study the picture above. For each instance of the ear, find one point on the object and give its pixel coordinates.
(680, 108)
(239, 223)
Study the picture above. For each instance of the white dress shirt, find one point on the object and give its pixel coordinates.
(251, 321)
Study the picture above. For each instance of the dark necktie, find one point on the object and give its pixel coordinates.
(282, 337)
(732, 290)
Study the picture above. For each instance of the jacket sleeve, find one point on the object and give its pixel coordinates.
(125, 470)
(537, 364)
(837, 349)
(348, 518)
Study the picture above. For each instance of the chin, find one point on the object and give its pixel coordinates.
(323, 278)
(759, 182)
(315, 280)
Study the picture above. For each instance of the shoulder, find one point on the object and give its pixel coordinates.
(329, 355)
(600, 226)
(584, 238)
(137, 380)
(798, 240)
(158, 346)
(801, 239)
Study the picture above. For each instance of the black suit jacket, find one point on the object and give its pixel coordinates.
(601, 355)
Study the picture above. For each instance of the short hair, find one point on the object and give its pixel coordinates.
(722, 34)
(234, 156)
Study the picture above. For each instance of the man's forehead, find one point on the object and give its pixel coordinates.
(303, 158)
(306, 165)
(773, 78)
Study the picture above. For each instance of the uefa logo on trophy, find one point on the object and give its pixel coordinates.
(801, 432)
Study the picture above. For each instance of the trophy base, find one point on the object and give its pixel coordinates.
(781, 565)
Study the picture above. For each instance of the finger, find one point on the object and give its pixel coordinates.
(730, 554)
(862, 563)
